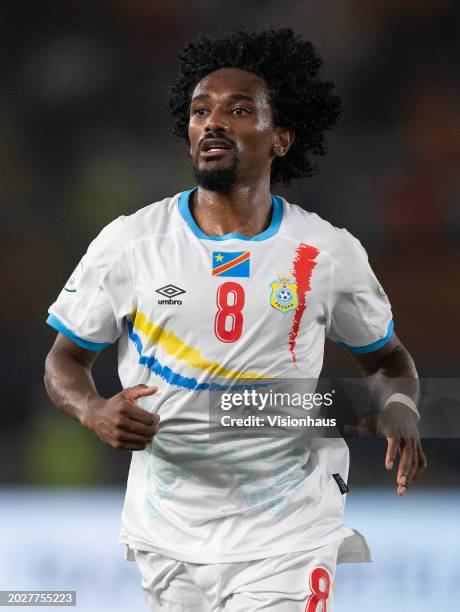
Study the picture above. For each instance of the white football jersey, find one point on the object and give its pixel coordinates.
(187, 310)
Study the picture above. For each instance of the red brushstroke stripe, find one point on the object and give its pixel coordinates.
(302, 267)
(231, 264)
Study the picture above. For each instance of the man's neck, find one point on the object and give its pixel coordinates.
(244, 210)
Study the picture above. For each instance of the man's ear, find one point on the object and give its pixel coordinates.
(283, 141)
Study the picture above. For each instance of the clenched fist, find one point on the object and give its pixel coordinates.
(120, 422)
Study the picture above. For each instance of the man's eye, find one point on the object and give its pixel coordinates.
(200, 112)
(239, 112)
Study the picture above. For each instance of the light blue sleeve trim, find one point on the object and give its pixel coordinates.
(277, 217)
(369, 348)
(56, 324)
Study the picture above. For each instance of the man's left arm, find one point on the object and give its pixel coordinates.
(384, 370)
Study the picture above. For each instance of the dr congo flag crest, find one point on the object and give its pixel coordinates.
(234, 263)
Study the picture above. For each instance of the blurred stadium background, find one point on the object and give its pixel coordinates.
(86, 137)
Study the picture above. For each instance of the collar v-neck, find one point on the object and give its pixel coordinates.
(184, 209)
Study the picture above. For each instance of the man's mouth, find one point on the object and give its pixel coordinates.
(214, 146)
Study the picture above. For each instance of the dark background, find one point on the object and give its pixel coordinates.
(86, 136)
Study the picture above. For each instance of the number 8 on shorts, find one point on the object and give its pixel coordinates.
(320, 585)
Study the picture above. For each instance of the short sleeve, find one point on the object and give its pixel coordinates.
(92, 306)
(360, 315)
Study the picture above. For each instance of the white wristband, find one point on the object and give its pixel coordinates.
(402, 399)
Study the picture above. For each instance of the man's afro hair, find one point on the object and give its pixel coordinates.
(300, 100)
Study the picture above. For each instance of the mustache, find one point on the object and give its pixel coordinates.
(215, 136)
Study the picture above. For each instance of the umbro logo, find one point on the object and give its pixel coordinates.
(170, 292)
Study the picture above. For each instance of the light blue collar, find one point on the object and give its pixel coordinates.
(184, 209)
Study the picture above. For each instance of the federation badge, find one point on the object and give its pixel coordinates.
(284, 294)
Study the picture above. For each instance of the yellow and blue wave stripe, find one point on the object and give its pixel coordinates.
(182, 351)
(174, 346)
(165, 372)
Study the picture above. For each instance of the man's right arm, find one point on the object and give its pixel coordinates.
(118, 421)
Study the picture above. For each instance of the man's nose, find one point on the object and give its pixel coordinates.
(216, 120)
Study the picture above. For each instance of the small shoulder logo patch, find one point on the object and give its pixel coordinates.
(72, 283)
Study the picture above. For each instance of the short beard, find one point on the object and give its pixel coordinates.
(221, 181)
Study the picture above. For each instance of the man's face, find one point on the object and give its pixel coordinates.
(230, 129)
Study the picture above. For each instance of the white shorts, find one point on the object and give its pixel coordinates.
(294, 582)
